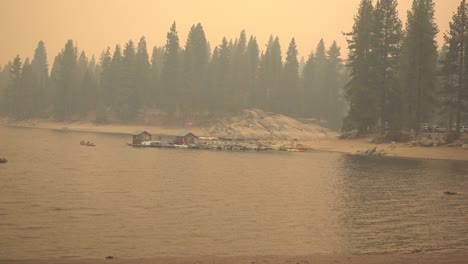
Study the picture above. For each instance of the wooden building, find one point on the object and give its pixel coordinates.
(186, 138)
(140, 136)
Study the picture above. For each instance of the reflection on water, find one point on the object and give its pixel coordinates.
(398, 205)
(60, 199)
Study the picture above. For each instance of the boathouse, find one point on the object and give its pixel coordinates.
(186, 138)
(140, 136)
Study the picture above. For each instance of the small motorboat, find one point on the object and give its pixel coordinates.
(87, 143)
(296, 150)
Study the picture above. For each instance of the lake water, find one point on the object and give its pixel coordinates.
(59, 199)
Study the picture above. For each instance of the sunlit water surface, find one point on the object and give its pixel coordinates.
(60, 199)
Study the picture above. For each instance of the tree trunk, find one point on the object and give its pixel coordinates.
(460, 72)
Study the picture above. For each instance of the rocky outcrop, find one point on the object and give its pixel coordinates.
(428, 141)
(254, 123)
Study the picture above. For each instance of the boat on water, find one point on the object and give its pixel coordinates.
(295, 150)
(87, 143)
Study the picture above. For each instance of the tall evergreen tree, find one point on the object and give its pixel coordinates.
(320, 89)
(129, 97)
(385, 56)
(253, 58)
(157, 61)
(335, 83)
(290, 91)
(89, 92)
(240, 71)
(276, 61)
(142, 71)
(66, 82)
(221, 76)
(454, 63)
(307, 83)
(171, 71)
(448, 82)
(25, 95)
(13, 87)
(3, 87)
(116, 79)
(196, 60)
(104, 87)
(359, 92)
(83, 63)
(420, 63)
(40, 68)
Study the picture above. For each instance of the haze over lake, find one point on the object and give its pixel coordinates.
(60, 199)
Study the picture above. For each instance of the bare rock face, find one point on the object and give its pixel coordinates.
(254, 123)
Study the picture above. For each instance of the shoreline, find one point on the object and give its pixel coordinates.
(344, 146)
(457, 257)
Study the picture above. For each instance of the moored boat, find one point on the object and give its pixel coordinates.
(295, 150)
(87, 143)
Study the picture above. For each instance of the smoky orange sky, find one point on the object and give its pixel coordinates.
(97, 24)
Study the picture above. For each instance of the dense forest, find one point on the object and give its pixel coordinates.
(233, 76)
(395, 77)
(398, 77)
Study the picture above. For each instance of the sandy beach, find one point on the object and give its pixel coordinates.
(429, 258)
(321, 143)
(352, 146)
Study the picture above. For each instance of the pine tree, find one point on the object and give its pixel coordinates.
(171, 71)
(40, 68)
(307, 83)
(89, 92)
(320, 90)
(25, 95)
(449, 81)
(128, 97)
(142, 70)
(3, 86)
(420, 63)
(13, 87)
(221, 73)
(116, 79)
(253, 60)
(454, 63)
(335, 83)
(104, 87)
(83, 64)
(385, 55)
(276, 61)
(66, 82)
(157, 61)
(92, 65)
(240, 72)
(290, 91)
(359, 93)
(196, 59)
